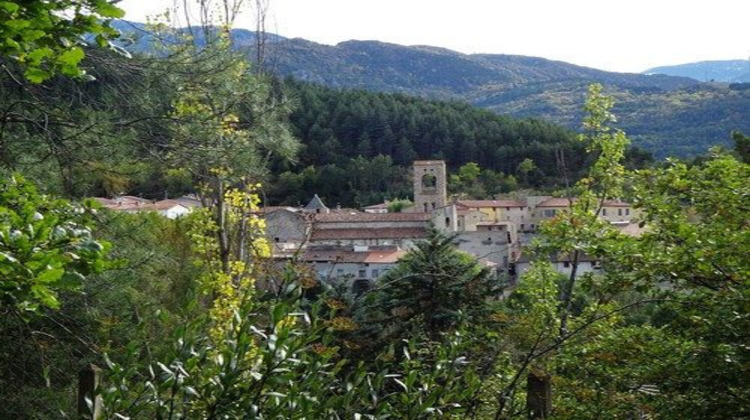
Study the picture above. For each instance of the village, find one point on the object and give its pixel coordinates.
(354, 247)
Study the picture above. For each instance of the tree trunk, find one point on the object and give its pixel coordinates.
(89, 404)
(538, 395)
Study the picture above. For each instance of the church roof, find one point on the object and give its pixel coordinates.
(316, 204)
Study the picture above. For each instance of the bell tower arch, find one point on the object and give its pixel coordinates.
(430, 185)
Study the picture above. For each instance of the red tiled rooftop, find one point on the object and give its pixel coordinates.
(140, 205)
(565, 202)
(491, 203)
(371, 233)
(345, 256)
(371, 217)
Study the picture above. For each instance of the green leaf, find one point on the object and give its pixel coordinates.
(45, 296)
(108, 10)
(38, 54)
(71, 57)
(17, 24)
(9, 6)
(36, 75)
(32, 35)
(50, 276)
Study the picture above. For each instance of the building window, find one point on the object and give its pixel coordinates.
(362, 273)
(604, 212)
(447, 222)
(375, 273)
(566, 264)
(619, 212)
(340, 272)
(429, 181)
(425, 208)
(550, 213)
(627, 212)
(276, 239)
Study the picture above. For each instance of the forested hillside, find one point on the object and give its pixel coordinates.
(125, 137)
(666, 115)
(358, 146)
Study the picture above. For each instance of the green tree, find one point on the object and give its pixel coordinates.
(433, 289)
(526, 167)
(46, 246)
(741, 146)
(46, 37)
(397, 205)
(469, 172)
(576, 232)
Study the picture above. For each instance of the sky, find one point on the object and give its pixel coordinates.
(614, 35)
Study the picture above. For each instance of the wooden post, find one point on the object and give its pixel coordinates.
(88, 381)
(538, 395)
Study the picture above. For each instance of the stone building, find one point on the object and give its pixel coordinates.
(513, 213)
(170, 208)
(614, 211)
(351, 243)
(430, 186)
(287, 229)
(354, 267)
(372, 229)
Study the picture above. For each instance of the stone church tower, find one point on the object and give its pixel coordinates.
(430, 185)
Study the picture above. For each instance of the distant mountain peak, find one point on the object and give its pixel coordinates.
(524, 86)
(727, 71)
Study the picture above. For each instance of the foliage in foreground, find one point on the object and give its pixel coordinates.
(46, 246)
(46, 37)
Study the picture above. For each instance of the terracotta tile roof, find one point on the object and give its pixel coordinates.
(346, 256)
(124, 200)
(371, 217)
(617, 203)
(369, 233)
(345, 210)
(189, 201)
(565, 202)
(163, 205)
(428, 162)
(491, 203)
(103, 201)
(555, 202)
(141, 206)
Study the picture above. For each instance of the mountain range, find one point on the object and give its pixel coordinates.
(728, 71)
(665, 114)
